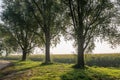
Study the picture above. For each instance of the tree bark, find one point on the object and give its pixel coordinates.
(7, 52)
(24, 55)
(80, 57)
(47, 48)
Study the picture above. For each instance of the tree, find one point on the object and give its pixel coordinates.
(19, 23)
(114, 40)
(91, 19)
(47, 13)
(7, 42)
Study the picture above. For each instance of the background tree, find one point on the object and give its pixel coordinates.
(91, 19)
(114, 39)
(9, 45)
(18, 22)
(7, 42)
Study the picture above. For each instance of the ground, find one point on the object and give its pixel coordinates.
(98, 67)
(4, 64)
(35, 70)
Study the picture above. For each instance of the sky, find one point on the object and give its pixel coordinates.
(66, 47)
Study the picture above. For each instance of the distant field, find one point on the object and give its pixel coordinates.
(104, 60)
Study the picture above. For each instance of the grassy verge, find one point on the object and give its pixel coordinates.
(34, 70)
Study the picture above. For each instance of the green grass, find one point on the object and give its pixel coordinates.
(98, 67)
(34, 70)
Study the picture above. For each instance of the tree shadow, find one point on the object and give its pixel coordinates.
(46, 64)
(85, 74)
(76, 74)
(9, 70)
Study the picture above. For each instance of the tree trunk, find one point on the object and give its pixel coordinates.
(47, 48)
(80, 57)
(7, 52)
(24, 55)
(0, 53)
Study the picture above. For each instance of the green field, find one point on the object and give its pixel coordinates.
(98, 67)
(103, 60)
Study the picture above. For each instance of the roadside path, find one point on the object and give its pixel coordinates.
(4, 64)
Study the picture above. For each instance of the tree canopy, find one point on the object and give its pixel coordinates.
(91, 19)
(18, 22)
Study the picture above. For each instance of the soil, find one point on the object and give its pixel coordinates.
(4, 64)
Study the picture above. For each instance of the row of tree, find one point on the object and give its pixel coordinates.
(30, 23)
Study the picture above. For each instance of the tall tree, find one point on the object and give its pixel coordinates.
(47, 13)
(91, 19)
(19, 23)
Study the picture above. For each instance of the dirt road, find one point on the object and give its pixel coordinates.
(4, 64)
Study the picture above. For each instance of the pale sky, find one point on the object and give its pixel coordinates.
(66, 47)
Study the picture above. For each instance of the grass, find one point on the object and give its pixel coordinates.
(98, 67)
(34, 70)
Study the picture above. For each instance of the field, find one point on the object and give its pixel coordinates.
(98, 67)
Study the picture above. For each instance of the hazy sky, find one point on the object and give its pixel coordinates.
(66, 47)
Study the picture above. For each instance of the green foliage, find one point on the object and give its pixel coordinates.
(48, 15)
(7, 41)
(91, 20)
(20, 25)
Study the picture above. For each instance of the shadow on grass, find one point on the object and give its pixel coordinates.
(12, 70)
(46, 64)
(76, 74)
(85, 74)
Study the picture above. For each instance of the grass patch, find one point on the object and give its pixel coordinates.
(33, 70)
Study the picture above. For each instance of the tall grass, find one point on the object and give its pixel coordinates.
(105, 60)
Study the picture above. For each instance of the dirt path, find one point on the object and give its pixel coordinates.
(4, 64)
